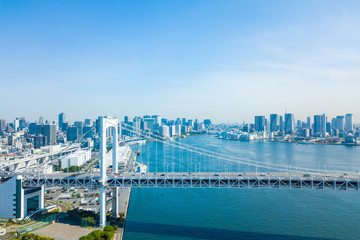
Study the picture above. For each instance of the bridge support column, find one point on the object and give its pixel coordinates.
(114, 150)
(115, 207)
(102, 173)
(42, 197)
(102, 207)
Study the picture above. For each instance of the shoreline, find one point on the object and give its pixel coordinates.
(125, 192)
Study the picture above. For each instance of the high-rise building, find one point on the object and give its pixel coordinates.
(22, 123)
(289, 123)
(340, 123)
(157, 119)
(149, 124)
(137, 126)
(16, 125)
(324, 120)
(317, 124)
(39, 141)
(41, 120)
(308, 122)
(62, 120)
(207, 123)
(172, 130)
(32, 128)
(274, 122)
(39, 129)
(88, 122)
(88, 132)
(259, 123)
(183, 122)
(2, 124)
(72, 133)
(80, 126)
(164, 131)
(328, 128)
(281, 123)
(49, 132)
(349, 127)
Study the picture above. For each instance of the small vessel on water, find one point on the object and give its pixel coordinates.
(140, 168)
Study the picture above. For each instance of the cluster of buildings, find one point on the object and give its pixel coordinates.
(21, 137)
(340, 128)
(161, 126)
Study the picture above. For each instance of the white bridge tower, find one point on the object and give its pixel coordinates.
(106, 123)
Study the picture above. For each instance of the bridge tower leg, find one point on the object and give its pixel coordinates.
(115, 207)
(102, 172)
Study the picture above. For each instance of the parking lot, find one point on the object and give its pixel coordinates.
(81, 198)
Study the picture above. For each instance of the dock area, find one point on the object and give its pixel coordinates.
(123, 208)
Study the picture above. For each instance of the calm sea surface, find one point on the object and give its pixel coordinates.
(244, 213)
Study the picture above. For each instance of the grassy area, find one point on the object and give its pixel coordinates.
(32, 236)
(107, 234)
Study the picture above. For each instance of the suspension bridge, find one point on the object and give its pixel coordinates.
(213, 173)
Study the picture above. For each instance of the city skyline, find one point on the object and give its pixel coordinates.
(227, 61)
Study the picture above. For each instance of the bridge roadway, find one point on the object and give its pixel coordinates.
(274, 180)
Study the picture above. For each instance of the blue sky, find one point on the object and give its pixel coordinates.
(224, 60)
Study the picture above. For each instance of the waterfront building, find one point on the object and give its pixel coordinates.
(172, 130)
(157, 119)
(190, 123)
(349, 123)
(289, 123)
(308, 123)
(259, 123)
(199, 126)
(328, 128)
(317, 124)
(137, 125)
(149, 124)
(164, 131)
(184, 129)
(207, 123)
(274, 122)
(340, 123)
(178, 130)
(183, 121)
(281, 123)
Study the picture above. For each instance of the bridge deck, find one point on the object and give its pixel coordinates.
(202, 180)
